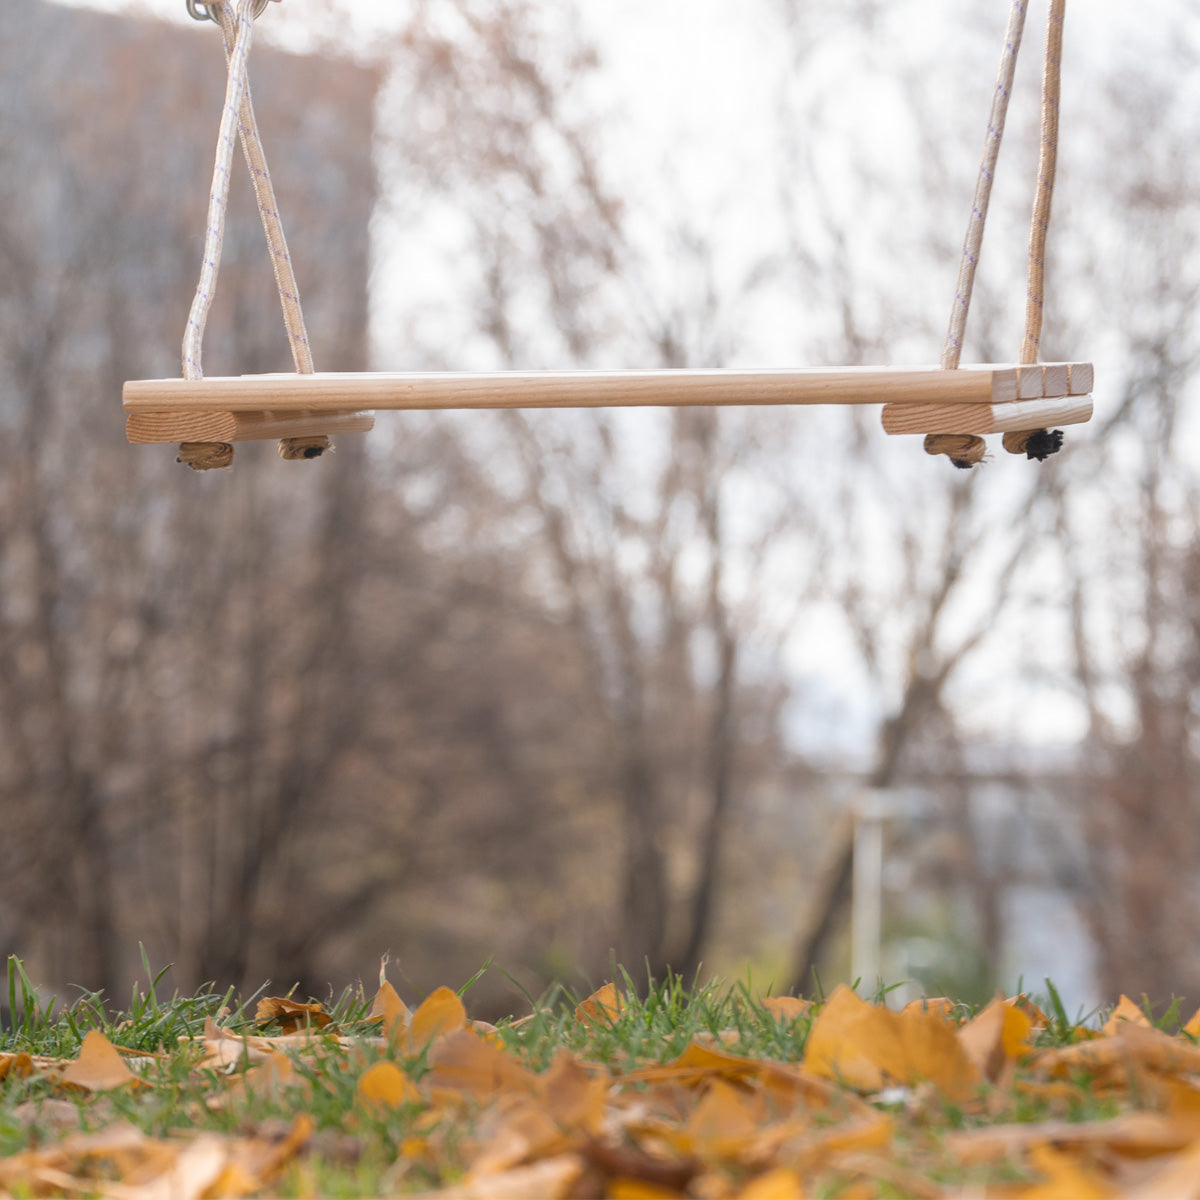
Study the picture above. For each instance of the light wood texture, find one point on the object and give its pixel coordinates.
(326, 393)
(1082, 377)
(1056, 379)
(157, 427)
(987, 418)
(1030, 382)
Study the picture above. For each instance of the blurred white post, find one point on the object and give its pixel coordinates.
(867, 903)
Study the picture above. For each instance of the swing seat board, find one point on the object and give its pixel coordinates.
(150, 428)
(342, 393)
(1015, 417)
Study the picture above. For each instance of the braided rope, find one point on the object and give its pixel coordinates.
(1047, 168)
(264, 193)
(218, 199)
(236, 32)
(952, 350)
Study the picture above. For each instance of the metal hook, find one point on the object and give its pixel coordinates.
(199, 11)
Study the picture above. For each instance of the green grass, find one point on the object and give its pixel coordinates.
(357, 1151)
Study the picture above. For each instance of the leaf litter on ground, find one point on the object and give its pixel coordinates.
(681, 1092)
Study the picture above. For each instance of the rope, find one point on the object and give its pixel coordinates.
(983, 186)
(1039, 443)
(218, 199)
(206, 456)
(1047, 167)
(965, 450)
(268, 209)
(237, 31)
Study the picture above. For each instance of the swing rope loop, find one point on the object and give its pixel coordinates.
(202, 12)
(1035, 443)
(237, 30)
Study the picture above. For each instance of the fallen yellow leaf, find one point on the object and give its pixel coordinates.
(780, 1184)
(995, 1038)
(602, 1006)
(464, 1062)
(1128, 1048)
(866, 1046)
(388, 1008)
(855, 1043)
(1177, 1180)
(440, 1013)
(385, 1086)
(572, 1094)
(1128, 1012)
(933, 1053)
(99, 1068)
(290, 1015)
(1064, 1176)
(1135, 1133)
(15, 1064)
(786, 1008)
(723, 1124)
(550, 1179)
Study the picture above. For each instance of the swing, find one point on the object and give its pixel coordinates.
(953, 405)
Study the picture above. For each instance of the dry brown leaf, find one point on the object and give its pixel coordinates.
(289, 1015)
(1064, 1176)
(723, 1124)
(464, 1062)
(1134, 1133)
(440, 1013)
(933, 1053)
(855, 1043)
(193, 1171)
(268, 1077)
(254, 1162)
(550, 1179)
(1128, 1049)
(1177, 1180)
(1126, 1012)
(99, 1068)
(787, 1008)
(16, 1065)
(121, 1144)
(385, 1086)
(641, 1189)
(872, 1132)
(696, 1063)
(517, 1134)
(866, 1046)
(878, 1168)
(572, 1094)
(388, 1008)
(782, 1183)
(1038, 1018)
(603, 1006)
(995, 1038)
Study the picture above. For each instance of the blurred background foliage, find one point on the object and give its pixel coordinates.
(542, 688)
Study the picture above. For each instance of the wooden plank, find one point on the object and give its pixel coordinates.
(158, 427)
(1030, 382)
(327, 392)
(1056, 379)
(987, 418)
(1082, 378)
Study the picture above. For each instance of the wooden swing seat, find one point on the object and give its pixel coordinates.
(985, 398)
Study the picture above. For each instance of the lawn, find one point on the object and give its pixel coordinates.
(661, 1091)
